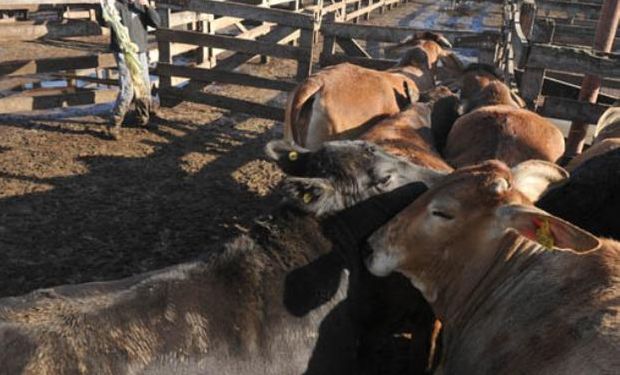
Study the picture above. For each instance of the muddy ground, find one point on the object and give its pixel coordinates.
(77, 207)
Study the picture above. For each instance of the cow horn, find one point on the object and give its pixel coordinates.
(443, 41)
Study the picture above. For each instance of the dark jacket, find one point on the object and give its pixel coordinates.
(136, 17)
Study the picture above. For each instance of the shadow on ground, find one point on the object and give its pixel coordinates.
(200, 186)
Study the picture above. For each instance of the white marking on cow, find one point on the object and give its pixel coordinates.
(318, 120)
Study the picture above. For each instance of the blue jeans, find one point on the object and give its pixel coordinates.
(126, 93)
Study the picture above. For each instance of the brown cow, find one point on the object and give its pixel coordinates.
(473, 79)
(408, 134)
(606, 138)
(335, 102)
(519, 291)
(496, 127)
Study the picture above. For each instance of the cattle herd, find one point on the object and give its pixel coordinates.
(423, 204)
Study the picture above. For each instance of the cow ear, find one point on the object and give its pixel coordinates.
(314, 195)
(290, 157)
(533, 177)
(548, 230)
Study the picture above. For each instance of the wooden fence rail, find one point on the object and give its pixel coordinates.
(533, 43)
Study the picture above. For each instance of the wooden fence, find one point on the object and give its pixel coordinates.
(280, 28)
(94, 73)
(541, 51)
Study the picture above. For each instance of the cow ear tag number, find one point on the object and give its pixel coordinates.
(293, 155)
(543, 233)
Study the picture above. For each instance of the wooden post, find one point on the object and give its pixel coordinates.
(603, 41)
(307, 41)
(329, 42)
(367, 14)
(165, 82)
(357, 7)
(264, 59)
(533, 79)
(527, 17)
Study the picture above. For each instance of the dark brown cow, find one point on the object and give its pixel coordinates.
(496, 127)
(520, 291)
(337, 101)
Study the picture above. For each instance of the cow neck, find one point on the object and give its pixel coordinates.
(411, 71)
(513, 256)
(290, 237)
(355, 224)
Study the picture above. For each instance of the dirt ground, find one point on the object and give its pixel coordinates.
(77, 207)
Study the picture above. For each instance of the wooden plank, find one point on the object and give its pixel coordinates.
(533, 78)
(231, 43)
(571, 109)
(235, 105)
(163, 47)
(381, 33)
(304, 62)
(185, 17)
(280, 35)
(576, 79)
(249, 12)
(574, 60)
(585, 10)
(51, 2)
(208, 75)
(352, 48)
(379, 64)
(223, 22)
(27, 30)
(55, 64)
(27, 103)
(363, 11)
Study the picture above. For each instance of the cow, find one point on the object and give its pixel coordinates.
(276, 300)
(340, 101)
(408, 133)
(606, 137)
(589, 197)
(518, 290)
(336, 176)
(495, 126)
(446, 111)
(341, 173)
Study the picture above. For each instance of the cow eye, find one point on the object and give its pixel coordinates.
(442, 215)
(385, 180)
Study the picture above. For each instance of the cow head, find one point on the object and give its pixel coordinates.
(341, 173)
(494, 93)
(454, 227)
(436, 54)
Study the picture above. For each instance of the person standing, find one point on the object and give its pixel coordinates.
(136, 15)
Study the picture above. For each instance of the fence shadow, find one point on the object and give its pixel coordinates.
(132, 214)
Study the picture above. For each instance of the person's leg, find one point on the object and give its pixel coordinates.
(143, 106)
(124, 98)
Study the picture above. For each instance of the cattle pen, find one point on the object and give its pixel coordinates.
(77, 207)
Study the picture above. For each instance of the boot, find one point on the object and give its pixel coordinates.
(114, 127)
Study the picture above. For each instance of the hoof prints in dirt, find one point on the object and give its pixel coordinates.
(151, 200)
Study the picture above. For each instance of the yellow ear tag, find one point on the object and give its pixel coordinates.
(307, 198)
(543, 233)
(293, 155)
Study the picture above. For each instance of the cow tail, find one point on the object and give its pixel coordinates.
(298, 107)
